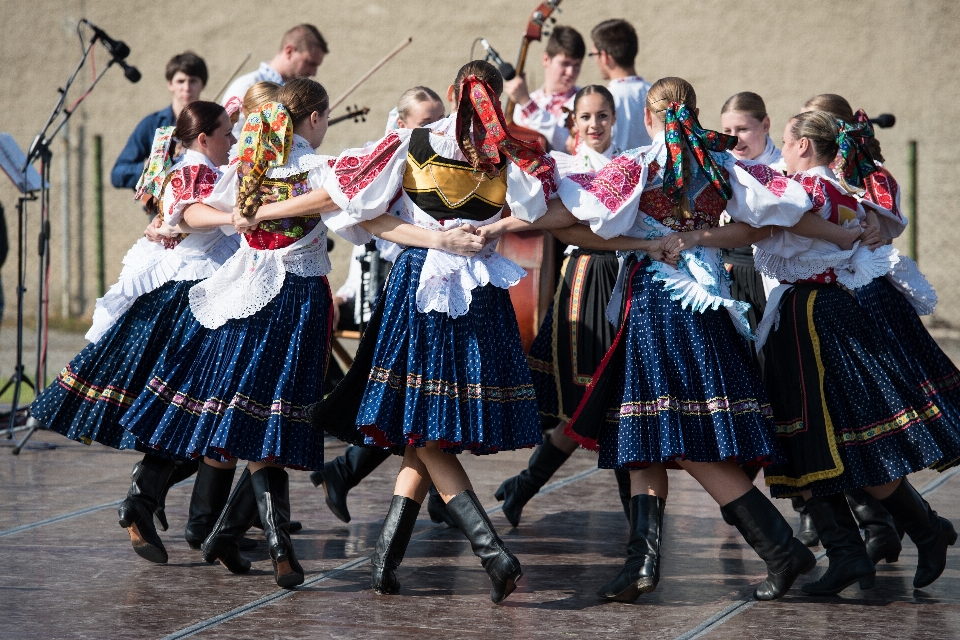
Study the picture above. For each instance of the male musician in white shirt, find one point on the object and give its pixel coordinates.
(542, 110)
(301, 52)
(615, 52)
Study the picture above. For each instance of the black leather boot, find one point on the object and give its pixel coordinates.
(344, 473)
(879, 529)
(501, 565)
(515, 492)
(272, 489)
(641, 572)
(764, 529)
(752, 472)
(841, 539)
(181, 471)
(807, 533)
(623, 488)
(392, 544)
(223, 543)
(136, 511)
(931, 533)
(210, 493)
(437, 508)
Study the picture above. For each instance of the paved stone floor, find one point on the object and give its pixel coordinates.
(67, 570)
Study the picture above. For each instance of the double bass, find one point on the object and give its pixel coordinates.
(532, 250)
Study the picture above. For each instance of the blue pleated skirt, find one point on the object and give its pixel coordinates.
(242, 390)
(462, 382)
(846, 415)
(675, 385)
(920, 359)
(91, 394)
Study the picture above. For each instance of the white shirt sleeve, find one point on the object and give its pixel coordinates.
(364, 182)
(781, 203)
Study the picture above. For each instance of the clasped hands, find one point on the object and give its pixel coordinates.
(160, 232)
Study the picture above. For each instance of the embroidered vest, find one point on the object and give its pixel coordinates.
(445, 188)
(277, 234)
(706, 202)
(843, 207)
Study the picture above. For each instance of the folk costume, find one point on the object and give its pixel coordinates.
(859, 421)
(141, 320)
(896, 301)
(240, 386)
(546, 113)
(573, 338)
(441, 359)
(678, 382)
(664, 401)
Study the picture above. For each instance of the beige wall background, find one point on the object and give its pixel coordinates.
(892, 56)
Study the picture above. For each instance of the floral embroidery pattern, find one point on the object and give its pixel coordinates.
(354, 173)
(219, 407)
(615, 183)
(696, 407)
(772, 179)
(464, 393)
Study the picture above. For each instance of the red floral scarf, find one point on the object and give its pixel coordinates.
(491, 137)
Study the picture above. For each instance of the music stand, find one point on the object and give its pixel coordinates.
(28, 183)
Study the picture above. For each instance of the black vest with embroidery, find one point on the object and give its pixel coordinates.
(445, 188)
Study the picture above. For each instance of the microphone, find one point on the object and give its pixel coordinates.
(131, 73)
(884, 120)
(506, 69)
(117, 48)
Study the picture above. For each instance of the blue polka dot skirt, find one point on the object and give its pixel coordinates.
(920, 359)
(675, 385)
(462, 382)
(846, 417)
(91, 394)
(242, 390)
(575, 333)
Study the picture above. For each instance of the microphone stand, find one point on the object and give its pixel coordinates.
(41, 150)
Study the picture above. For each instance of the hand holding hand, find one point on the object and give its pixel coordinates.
(241, 223)
(151, 232)
(871, 237)
(461, 241)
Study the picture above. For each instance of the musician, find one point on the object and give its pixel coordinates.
(543, 109)
(186, 75)
(615, 52)
(302, 50)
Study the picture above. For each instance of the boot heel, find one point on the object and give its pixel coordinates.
(866, 582)
(893, 557)
(500, 495)
(951, 536)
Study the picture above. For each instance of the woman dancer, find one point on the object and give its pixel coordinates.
(575, 333)
(860, 422)
(144, 318)
(744, 115)
(895, 302)
(239, 388)
(417, 107)
(440, 369)
(678, 375)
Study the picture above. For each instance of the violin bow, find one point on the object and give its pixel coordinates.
(230, 79)
(373, 70)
